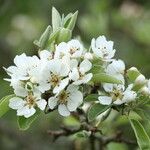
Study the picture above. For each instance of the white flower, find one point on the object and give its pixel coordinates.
(78, 73)
(23, 65)
(117, 69)
(117, 94)
(28, 71)
(67, 100)
(103, 48)
(73, 49)
(55, 74)
(27, 106)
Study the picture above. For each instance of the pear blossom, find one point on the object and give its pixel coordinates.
(103, 48)
(67, 100)
(28, 70)
(79, 73)
(55, 74)
(117, 94)
(73, 48)
(27, 106)
(23, 65)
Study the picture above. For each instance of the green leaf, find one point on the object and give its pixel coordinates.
(143, 139)
(24, 123)
(56, 19)
(91, 97)
(82, 134)
(72, 21)
(44, 38)
(96, 110)
(103, 77)
(4, 102)
(53, 37)
(66, 20)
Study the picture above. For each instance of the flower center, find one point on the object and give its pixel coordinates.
(55, 80)
(117, 94)
(31, 100)
(73, 50)
(63, 97)
(104, 51)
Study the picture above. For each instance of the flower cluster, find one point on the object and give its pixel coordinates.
(58, 74)
(56, 78)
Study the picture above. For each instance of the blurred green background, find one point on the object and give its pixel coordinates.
(126, 22)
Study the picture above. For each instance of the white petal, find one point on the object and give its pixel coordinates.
(26, 111)
(41, 104)
(105, 100)
(118, 102)
(64, 71)
(52, 102)
(85, 66)
(75, 100)
(129, 96)
(20, 59)
(62, 109)
(73, 63)
(74, 74)
(117, 66)
(32, 112)
(72, 88)
(61, 50)
(46, 55)
(61, 86)
(16, 103)
(87, 77)
(55, 66)
(108, 87)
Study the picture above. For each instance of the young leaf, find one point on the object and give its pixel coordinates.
(72, 21)
(56, 19)
(91, 97)
(96, 110)
(102, 77)
(24, 123)
(4, 102)
(53, 37)
(143, 139)
(44, 38)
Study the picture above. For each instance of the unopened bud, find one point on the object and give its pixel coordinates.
(88, 55)
(132, 74)
(140, 79)
(145, 90)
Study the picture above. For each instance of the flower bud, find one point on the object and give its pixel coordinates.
(132, 74)
(88, 55)
(145, 90)
(140, 79)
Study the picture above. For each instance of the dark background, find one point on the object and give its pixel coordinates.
(125, 22)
